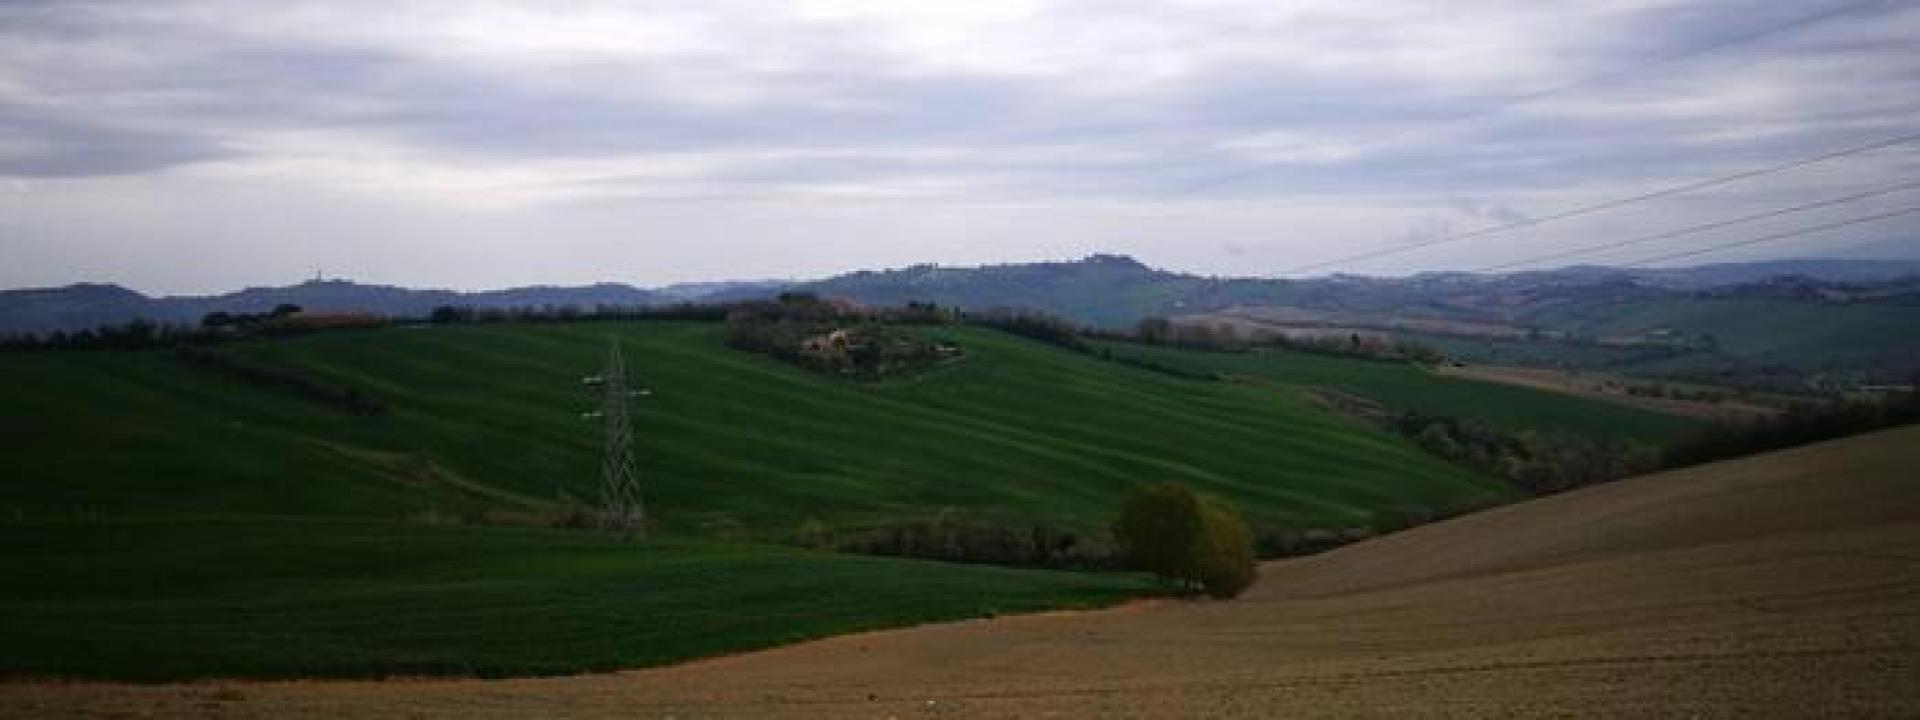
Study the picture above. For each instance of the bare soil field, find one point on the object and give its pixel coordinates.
(1780, 585)
(1610, 388)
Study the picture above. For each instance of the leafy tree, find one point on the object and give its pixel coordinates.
(1224, 553)
(448, 314)
(1199, 545)
(1153, 330)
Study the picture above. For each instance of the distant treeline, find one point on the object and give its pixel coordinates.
(954, 538)
(1799, 425)
(1539, 463)
(1224, 337)
(215, 327)
(289, 320)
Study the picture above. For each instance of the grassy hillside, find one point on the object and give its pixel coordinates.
(490, 415)
(1405, 387)
(164, 520)
(1802, 334)
(343, 598)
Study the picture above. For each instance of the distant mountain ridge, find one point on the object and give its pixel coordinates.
(1103, 290)
(87, 305)
(1116, 290)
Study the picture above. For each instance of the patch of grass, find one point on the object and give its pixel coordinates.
(1406, 387)
(302, 597)
(165, 522)
(1019, 430)
(1822, 333)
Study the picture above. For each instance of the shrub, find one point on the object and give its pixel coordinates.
(1224, 556)
(1199, 545)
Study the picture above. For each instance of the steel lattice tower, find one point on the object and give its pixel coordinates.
(620, 503)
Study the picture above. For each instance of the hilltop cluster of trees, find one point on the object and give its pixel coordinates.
(836, 338)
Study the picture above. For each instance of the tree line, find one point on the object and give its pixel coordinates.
(1801, 424)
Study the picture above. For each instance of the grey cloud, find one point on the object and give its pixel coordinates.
(100, 90)
(50, 145)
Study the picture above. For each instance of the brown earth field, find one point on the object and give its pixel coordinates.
(1778, 585)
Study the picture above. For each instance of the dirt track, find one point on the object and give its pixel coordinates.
(1782, 585)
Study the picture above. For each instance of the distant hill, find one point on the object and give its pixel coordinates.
(40, 310)
(1101, 290)
(1115, 290)
(724, 290)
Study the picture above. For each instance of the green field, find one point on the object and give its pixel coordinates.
(164, 520)
(1821, 333)
(343, 598)
(729, 441)
(1402, 386)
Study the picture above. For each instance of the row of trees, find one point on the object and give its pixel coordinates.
(1799, 425)
(952, 537)
(1225, 337)
(288, 319)
(1031, 324)
(1540, 463)
(214, 327)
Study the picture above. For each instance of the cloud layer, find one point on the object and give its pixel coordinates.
(201, 145)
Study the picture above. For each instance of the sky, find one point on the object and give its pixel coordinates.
(192, 147)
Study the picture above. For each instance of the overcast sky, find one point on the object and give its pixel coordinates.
(195, 147)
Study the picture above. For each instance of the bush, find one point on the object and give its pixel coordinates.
(953, 537)
(1199, 545)
(1224, 556)
(1799, 425)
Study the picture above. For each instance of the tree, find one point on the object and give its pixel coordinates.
(447, 315)
(1197, 544)
(1224, 552)
(1153, 330)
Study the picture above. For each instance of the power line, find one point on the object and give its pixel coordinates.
(1703, 227)
(1597, 79)
(1609, 204)
(1775, 237)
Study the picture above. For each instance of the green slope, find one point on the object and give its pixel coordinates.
(343, 598)
(163, 521)
(1807, 335)
(727, 439)
(1405, 387)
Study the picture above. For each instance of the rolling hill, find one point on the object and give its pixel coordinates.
(1782, 585)
(1404, 387)
(164, 520)
(491, 414)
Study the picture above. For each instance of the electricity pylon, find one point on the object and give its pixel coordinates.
(621, 507)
